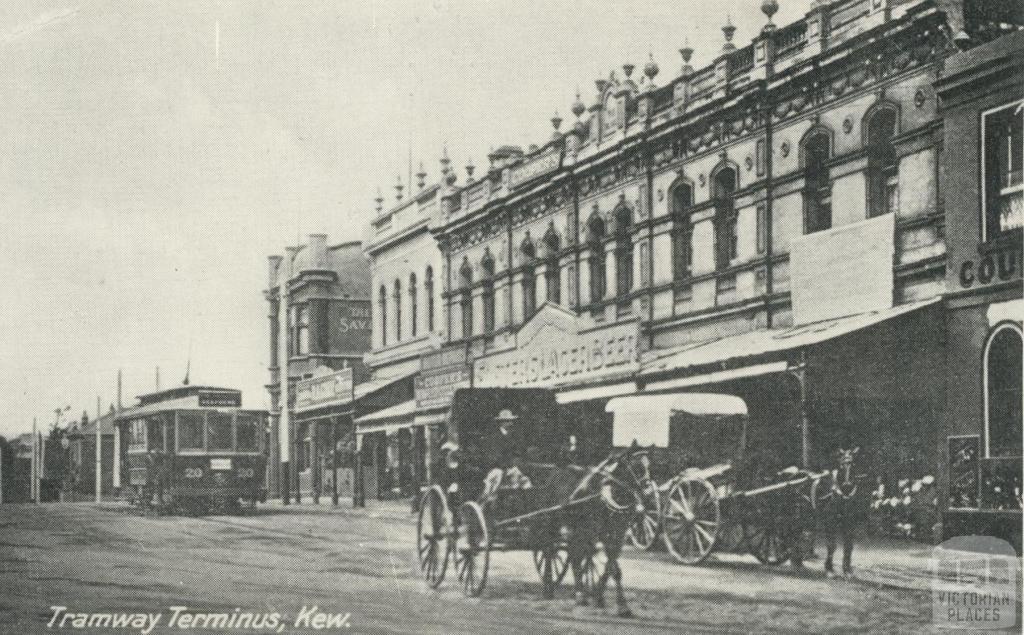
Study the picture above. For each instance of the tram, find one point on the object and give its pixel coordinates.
(192, 450)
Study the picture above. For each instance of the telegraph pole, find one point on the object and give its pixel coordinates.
(34, 487)
(284, 421)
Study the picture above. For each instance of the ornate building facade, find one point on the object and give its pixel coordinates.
(327, 331)
(772, 226)
(408, 322)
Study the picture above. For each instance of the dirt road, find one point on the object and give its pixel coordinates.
(360, 565)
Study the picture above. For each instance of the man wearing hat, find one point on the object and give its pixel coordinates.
(502, 452)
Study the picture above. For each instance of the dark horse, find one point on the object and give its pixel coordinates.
(841, 509)
(602, 503)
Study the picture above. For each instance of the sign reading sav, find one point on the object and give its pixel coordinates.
(557, 347)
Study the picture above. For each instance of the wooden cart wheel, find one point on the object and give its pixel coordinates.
(472, 549)
(431, 536)
(552, 564)
(767, 543)
(643, 533)
(691, 519)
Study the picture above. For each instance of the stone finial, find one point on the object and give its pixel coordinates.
(651, 67)
(729, 31)
(578, 107)
(380, 201)
(600, 84)
(628, 70)
(421, 177)
(446, 163)
(469, 171)
(556, 122)
(399, 187)
(769, 8)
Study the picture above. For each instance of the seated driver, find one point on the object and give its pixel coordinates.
(502, 449)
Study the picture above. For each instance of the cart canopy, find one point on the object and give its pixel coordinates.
(645, 419)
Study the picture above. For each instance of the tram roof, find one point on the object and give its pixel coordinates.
(182, 391)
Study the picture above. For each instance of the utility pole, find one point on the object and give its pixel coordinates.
(34, 487)
(99, 460)
(284, 422)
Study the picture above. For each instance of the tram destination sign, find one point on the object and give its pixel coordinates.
(220, 399)
(558, 348)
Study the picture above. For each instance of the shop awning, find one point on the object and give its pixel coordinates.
(754, 344)
(369, 387)
(392, 418)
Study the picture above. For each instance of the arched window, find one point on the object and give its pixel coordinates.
(623, 250)
(398, 310)
(817, 148)
(428, 289)
(595, 239)
(723, 187)
(1002, 385)
(466, 300)
(487, 264)
(382, 308)
(529, 253)
(883, 165)
(553, 248)
(413, 308)
(682, 231)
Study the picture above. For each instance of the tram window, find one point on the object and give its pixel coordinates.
(219, 424)
(137, 435)
(155, 433)
(248, 435)
(190, 431)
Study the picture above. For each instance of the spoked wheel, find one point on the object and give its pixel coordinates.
(691, 519)
(552, 563)
(472, 549)
(767, 544)
(643, 533)
(431, 536)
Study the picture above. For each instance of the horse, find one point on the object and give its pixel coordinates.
(842, 509)
(602, 502)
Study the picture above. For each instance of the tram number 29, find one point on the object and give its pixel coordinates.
(193, 472)
(246, 472)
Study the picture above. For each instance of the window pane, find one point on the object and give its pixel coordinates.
(137, 435)
(1004, 393)
(155, 433)
(220, 430)
(190, 431)
(248, 432)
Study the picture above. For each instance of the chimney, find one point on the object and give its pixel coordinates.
(318, 251)
(273, 267)
(288, 270)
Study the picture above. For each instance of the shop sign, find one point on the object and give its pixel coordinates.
(352, 323)
(528, 171)
(843, 271)
(333, 387)
(557, 347)
(435, 389)
(219, 399)
(1000, 265)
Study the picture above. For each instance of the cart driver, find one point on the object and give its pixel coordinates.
(502, 450)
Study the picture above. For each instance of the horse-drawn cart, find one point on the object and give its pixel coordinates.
(719, 490)
(461, 522)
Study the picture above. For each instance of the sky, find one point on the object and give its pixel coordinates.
(153, 154)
